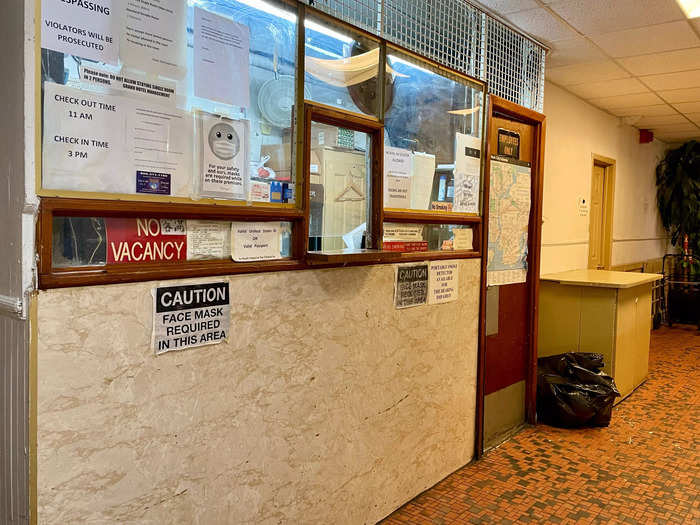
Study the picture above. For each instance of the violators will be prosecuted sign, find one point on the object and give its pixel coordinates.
(189, 316)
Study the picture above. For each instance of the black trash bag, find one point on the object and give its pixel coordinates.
(572, 391)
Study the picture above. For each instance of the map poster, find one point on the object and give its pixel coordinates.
(509, 214)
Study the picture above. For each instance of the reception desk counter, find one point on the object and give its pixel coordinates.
(599, 311)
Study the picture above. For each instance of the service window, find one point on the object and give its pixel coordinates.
(193, 103)
(210, 139)
(432, 144)
(342, 67)
(340, 188)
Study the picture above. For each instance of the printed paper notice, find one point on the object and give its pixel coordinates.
(160, 142)
(81, 28)
(221, 59)
(422, 174)
(397, 180)
(403, 232)
(207, 239)
(463, 239)
(189, 316)
(255, 241)
(154, 36)
(467, 173)
(114, 144)
(411, 287)
(223, 153)
(133, 84)
(84, 141)
(444, 282)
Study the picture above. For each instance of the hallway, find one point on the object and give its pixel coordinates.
(641, 469)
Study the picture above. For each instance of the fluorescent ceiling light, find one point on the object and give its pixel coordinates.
(691, 8)
(260, 5)
(270, 9)
(466, 111)
(394, 58)
(315, 26)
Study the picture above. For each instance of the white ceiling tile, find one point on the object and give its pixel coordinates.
(623, 86)
(688, 107)
(541, 24)
(573, 51)
(681, 95)
(647, 40)
(688, 127)
(677, 137)
(680, 80)
(626, 101)
(587, 72)
(504, 7)
(659, 120)
(605, 16)
(643, 111)
(667, 62)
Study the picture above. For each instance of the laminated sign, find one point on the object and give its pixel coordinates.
(411, 285)
(188, 316)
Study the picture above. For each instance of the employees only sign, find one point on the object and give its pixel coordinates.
(189, 316)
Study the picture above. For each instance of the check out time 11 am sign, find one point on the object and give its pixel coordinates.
(190, 315)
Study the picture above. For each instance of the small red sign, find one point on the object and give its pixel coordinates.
(145, 240)
(405, 246)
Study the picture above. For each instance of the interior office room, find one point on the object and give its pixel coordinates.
(349, 261)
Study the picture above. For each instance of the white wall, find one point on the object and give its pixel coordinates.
(575, 131)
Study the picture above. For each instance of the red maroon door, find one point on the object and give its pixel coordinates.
(508, 339)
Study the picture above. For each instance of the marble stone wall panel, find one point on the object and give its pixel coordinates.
(327, 405)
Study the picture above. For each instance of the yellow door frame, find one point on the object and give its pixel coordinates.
(608, 204)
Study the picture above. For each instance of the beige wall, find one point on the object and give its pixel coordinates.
(326, 406)
(575, 131)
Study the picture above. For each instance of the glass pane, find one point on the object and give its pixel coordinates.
(125, 124)
(427, 237)
(340, 188)
(432, 144)
(79, 241)
(341, 67)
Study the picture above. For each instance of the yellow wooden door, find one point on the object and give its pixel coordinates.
(596, 231)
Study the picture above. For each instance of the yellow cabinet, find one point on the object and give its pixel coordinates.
(599, 311)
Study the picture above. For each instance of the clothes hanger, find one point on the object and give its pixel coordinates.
(350, 187)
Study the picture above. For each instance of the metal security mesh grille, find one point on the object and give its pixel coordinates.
(514, 66)
(457, 35)
(364, 14)
(446, 31)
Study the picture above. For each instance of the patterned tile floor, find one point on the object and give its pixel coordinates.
(643, 468)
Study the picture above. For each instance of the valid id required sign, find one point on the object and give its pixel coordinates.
(191, 315)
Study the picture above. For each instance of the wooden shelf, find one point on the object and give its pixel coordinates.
(438, 255)
(429, 217)
(347, 256)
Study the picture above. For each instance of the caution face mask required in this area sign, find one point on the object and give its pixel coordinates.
(191, 315)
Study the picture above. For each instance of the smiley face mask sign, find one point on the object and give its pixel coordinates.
(224, 141)
(223, 156)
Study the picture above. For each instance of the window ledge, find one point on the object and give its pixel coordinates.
(351, 256)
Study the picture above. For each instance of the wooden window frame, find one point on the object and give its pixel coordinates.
(87, 204)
